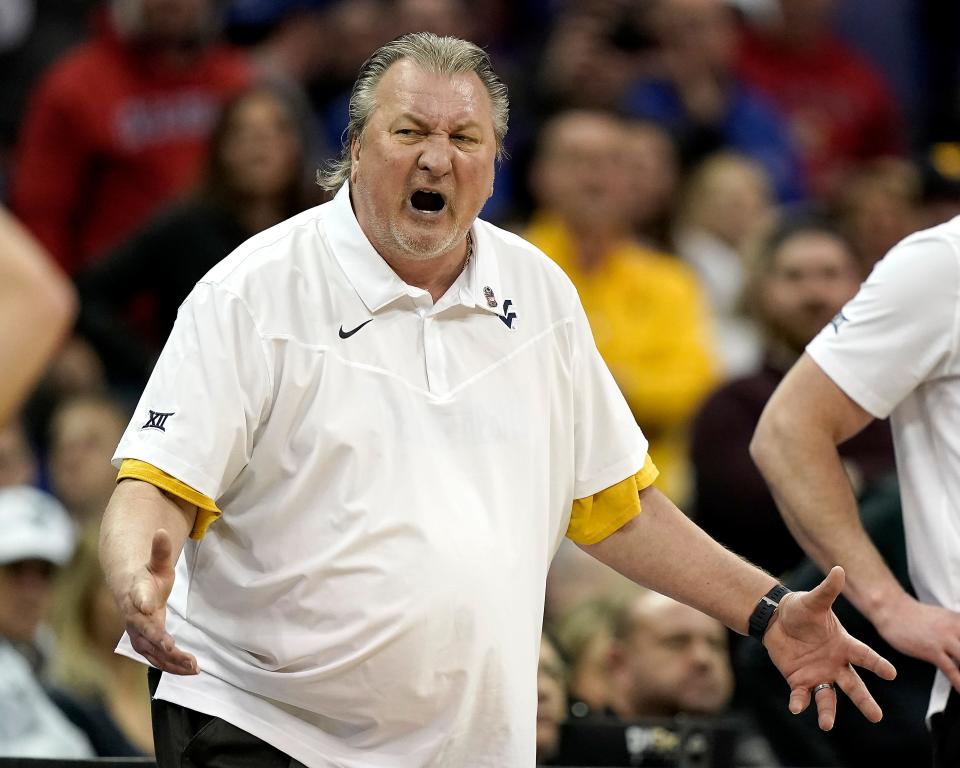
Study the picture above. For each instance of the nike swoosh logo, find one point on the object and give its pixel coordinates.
(347, 334)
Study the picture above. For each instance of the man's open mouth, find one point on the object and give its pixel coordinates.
(427, 201)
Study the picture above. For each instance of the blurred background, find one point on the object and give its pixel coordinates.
(716, 176)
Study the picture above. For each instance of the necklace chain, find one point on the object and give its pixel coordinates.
(466, 261)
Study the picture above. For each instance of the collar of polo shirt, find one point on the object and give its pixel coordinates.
(378, 285)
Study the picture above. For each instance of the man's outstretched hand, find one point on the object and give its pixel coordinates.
(144, 609)
(809, 646)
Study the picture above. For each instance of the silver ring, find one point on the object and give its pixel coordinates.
(821, 687)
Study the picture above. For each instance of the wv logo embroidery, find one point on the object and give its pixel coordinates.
(838, 320)
(508, 317)
(157, 420)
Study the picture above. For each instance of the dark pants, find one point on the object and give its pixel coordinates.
(184, 738)
(945, 727)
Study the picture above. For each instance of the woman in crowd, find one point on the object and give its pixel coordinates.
(102, 693)
(255, 177)
(727, 202)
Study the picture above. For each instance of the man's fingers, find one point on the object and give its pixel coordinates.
(799, 700)
(166, 656)
(141, 645)
(853, 686)
(150, 632)
(188, 666)
(950, 661)
(864, 656)
(948, 666)
(154, 661)
(822, 596)
(826, 699)
(167, 666)
(161, 552)
(148, 650)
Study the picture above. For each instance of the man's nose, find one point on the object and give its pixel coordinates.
(436, 156)
(703, 654)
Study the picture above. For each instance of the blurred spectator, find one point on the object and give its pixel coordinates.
(594, 52)
(727, 202)
(698, 97)
(37, 305)
(255, 176)
(654, 176)
(33, 34)
(584, 635)
(289, 40)
(37, 538)
(118, 126)
(839, 109)
(76, 369)
(84, 432)
(805, 271)
(361, 27)
(669, 659)
(878, 206)
(551, 700)
(646, 310)
(102, 693)
(18, 463)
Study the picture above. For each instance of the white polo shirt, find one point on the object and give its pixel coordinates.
(395, 476)
(894, 350)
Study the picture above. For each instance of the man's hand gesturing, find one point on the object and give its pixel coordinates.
(144, 609)
(811, 648)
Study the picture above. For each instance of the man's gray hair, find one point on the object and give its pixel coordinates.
(432, 53)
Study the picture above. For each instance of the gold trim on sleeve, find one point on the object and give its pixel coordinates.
(207, 509)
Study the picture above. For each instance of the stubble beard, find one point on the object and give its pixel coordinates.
(422, 247)
(393, 236)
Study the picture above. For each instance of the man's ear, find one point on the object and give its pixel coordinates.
(354, 158)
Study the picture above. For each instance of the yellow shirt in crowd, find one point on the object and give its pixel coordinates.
(650, 321)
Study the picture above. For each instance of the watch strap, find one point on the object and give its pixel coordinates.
(763, 613)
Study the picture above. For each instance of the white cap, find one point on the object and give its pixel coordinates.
(34, 526)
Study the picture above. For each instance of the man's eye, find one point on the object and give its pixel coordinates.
(405, 131)
(468, 139)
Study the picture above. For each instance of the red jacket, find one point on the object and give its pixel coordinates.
(111, 133)
(839, 108)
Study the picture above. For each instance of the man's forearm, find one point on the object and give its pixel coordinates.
(664, 550)
(795, 448)
(135, 512)
(37, 306)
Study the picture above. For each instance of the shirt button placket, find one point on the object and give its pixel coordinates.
(433, 351)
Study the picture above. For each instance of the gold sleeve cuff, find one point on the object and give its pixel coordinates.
(595, 517)
(207, 509)
(647, 474)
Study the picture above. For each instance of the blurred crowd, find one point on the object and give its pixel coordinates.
(715, 176)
